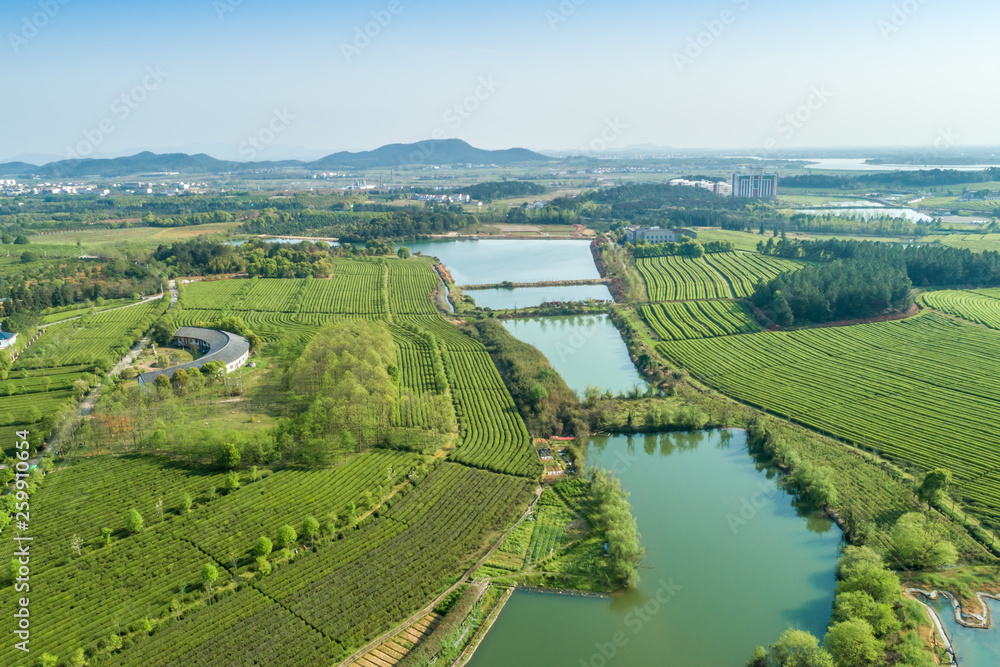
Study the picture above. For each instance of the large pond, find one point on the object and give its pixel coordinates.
(584, 350)
(870, 213)
(973, 647)
(729, 564)
(526, 297)
(489, 262)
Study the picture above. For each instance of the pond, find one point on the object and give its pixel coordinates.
(730, 564)
(490, 262)
(526, 297)
(973, 647)
(584, 350)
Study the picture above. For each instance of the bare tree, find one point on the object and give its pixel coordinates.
(76, 544)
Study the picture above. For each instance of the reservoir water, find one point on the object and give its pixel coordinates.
(729, 564)
(584, 350)
(488, 262)
(869, 213)
(973, 647)
(526, 297)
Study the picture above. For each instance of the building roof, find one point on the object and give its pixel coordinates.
(222, 346)
(6, 335)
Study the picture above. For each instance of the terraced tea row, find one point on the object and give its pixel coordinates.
(232, 523)
(921, 391)
(359, 586)
(698, 319)
(107, 336)
(744, 270)
(681, 279)
(981, 307)
(243, 628)
(493, 436)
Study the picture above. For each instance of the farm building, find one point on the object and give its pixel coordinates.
(545, 454)
(7, 339)
(228, 348)
(654, 235)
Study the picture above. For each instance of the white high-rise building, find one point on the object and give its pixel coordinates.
(755, 185)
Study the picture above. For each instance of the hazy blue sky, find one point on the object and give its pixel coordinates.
(570, 75)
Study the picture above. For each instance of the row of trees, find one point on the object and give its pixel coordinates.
(834, 292)
(927, 265)
(872, 623)
(614, 516)
(688, 247)
(361, 227)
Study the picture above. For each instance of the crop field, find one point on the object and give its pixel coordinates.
(493, 436)
(973, 242)
(744, 270)
(57, 314)
(356, 288)
(232, 523)
(410, 285)
(681, 279)
(981, 307)
(106, 335)
(105, 589)
(698, 319)
(358, 587)
(920, 391)
(90, 494)
(244, 628)
(550, 531)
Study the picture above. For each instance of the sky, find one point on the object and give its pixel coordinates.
(260, 79)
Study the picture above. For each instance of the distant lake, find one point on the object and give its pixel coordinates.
(870, 213)
(526, 297)
(853, 164)
(282, 241)
(489, 261)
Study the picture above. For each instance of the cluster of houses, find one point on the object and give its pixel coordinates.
(443, 199)
(720, 188)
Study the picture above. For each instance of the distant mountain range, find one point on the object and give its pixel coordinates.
(423, 153)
